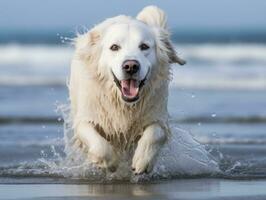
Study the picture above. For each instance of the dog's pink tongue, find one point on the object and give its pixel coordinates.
(129, 88)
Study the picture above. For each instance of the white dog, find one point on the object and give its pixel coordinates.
(119, 88)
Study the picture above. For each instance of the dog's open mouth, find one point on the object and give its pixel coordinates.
(129, 88)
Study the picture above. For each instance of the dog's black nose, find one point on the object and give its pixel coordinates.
(131, 66)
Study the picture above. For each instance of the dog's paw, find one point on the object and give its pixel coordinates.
(143, 158)
(103, 155)
(100, 152)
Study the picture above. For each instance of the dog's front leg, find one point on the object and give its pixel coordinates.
(100, 151)
(149, 144)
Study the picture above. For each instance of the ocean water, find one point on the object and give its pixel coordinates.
(218, 98)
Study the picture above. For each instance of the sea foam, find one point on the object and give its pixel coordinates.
(209, 66)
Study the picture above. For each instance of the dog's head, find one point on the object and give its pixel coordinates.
(129, 49)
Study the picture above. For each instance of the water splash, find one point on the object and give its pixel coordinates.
(182, 156)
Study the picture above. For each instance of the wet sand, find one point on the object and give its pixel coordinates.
(175, 189)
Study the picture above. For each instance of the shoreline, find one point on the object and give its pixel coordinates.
(172, 189)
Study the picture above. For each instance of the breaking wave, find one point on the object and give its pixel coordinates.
(51, 56)
(209, 66)
(232, 54)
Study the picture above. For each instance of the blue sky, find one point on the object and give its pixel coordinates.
(189, 14)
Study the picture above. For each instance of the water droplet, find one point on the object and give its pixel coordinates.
(43, 126)
(199, 124)
(42, 153)
(221, 156)
(213, 115)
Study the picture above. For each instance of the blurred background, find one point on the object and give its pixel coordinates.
(219, 95)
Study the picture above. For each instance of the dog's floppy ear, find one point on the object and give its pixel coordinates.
(86, 44)
(173, 58)
(154, 16)
(87, 40)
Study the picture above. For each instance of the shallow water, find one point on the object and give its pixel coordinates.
(200, 189)
(32, 143)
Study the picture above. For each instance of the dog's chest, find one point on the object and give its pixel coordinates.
(122, 123)
(122, 135)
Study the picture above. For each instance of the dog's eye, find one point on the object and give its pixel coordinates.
(143, 47)
(115, 47)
